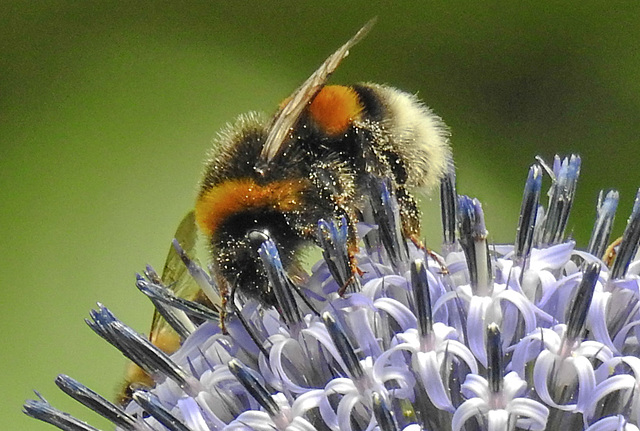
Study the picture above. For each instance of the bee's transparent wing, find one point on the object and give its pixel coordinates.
(176, 277)
(162, 334)
(286, 119)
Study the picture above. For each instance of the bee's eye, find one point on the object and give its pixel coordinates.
(257, 237)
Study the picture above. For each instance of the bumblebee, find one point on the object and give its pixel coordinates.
(278, 175)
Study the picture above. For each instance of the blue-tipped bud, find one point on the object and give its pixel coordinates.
(176, 318)
(152, 405)
(334, 243)
(473, 240)
(96, 402)
(257, 390)
(605, 215)
(528, 213)
(561, 196)
(40, 409)
(448, 200)
(280, 283)
(166, 296)
(382, 413)
(422, 297)
(630, 242)
(198, 275)
(344, 346)
(577, 313)
(386, 214)
(136, 347)
(495, 359)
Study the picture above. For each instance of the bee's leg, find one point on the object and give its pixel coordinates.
(437, 258)
(611, 252)
(223, 288)
(335, 187)
(352, 250)
(353, 279)
(223, 319)
(410, 216)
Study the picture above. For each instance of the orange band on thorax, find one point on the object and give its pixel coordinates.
(334, 108)
(218, 203)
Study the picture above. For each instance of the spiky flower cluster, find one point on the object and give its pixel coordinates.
(531, 336)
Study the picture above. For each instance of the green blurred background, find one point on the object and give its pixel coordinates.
(106, 111)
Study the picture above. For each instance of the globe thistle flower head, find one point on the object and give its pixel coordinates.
(532, 335)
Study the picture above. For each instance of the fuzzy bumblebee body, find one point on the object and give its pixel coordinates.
(343, 135)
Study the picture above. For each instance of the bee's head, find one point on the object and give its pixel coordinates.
(236, 241)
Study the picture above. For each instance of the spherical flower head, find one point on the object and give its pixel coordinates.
(535, 335)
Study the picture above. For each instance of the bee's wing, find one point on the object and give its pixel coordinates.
(176, 277)
(286, 119)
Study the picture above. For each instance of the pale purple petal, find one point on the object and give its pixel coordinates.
(428, 368)
(400, 313)
(466, 411)
(252, 420)
(345, 407)
(476, 386)
(612, 423)
(192, 415)
(476, 324)
(554, 257)
(497, 420)
(620, 382)
(532, 415)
